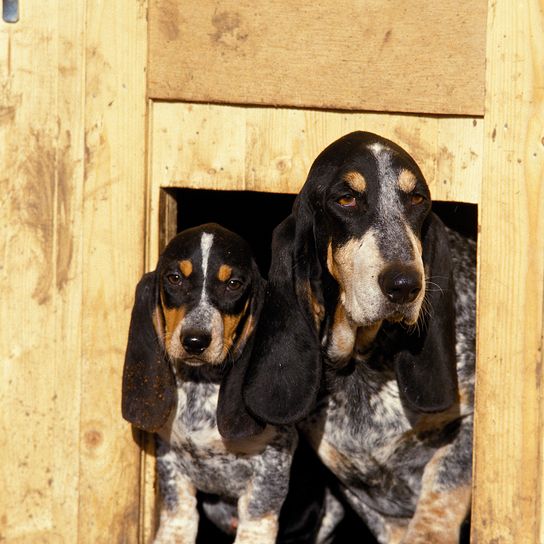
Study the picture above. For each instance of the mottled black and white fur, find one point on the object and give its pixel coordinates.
(189, 342)
(372, 350)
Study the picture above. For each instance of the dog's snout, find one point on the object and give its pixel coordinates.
(195, 342)
(400, 283)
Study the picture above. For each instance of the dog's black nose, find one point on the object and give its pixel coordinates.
(400, 283)
(196, 342)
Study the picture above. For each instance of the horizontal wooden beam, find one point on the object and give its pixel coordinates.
(414, 56)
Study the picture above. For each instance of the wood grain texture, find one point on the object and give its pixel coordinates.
(72, 163)
(414, 56)
(113, 259)
(41, 175)
(509, 464)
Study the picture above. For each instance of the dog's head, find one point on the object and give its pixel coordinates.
(199, 307)
(360, 250)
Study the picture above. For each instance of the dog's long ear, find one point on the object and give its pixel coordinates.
(148, 381)
(284, 375)
(233, 420)
(426, 369)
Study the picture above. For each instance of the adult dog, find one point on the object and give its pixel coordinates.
(189, 342)
(367, 279)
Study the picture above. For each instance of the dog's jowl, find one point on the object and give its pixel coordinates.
(371, 352)
(189, 343)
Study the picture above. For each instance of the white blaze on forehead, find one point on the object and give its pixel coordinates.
(376, 148)
(388, 200)
(205, 247)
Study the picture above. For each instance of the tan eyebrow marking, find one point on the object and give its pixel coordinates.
(186, 268)
(355, 180)
(406, 181)
(225, 272)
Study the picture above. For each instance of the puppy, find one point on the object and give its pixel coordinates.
(367, 283)
(188, 348)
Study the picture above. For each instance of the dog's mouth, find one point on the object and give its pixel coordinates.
(193, 361)
(406, 317)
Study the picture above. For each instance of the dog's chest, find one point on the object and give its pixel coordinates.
(195, 421)
(369, 443)
(201, 453)
(365, 427)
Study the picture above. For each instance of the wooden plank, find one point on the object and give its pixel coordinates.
(41, 175)
(509, 464)
(264, 149)
(71, 182)
(417, 56)
(113, 259)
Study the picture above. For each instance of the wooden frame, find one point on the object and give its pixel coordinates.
(76, 202)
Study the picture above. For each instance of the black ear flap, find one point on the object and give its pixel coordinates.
(426, 368)
(233, 420)
(149, 390)
(283, 379)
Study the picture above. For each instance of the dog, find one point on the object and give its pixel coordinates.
(189, 342)
(368, 340)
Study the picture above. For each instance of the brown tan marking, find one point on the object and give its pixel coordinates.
(365, 337)
(158, 323)
(439, 514)
(304, 292)
(172, 317)
(396, 529)
(181, 523)
(186, 268)
(331, 265)
(230, 324)
(250, 530)
(342, 337)
(407, 181)
(334, 459)
(355, 180)
(225, 272)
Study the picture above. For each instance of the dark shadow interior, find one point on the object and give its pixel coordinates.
(253, 216)
(250, 214)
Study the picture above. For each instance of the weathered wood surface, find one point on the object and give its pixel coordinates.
(72, 139)
(509, 462)
(414, 56)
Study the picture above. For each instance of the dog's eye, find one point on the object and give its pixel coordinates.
(234, 285)
(416, 199)
(173, 278)
(347, 201)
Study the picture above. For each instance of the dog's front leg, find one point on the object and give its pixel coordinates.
(178, 512)
(444, 501)
(254, 526)
(259, 507)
